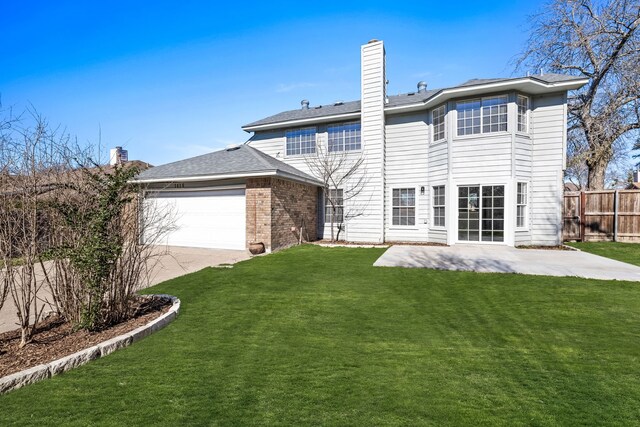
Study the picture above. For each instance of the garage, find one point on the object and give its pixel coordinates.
(203, 219)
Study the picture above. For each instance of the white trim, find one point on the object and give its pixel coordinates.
(277, 173)
(570, 85)
(192, 189)
(297, 122)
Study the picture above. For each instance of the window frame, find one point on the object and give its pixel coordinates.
(344, 135)
(434, 206)
(527, 108)
(522, 202)
(299, 136)
(400, 207)
(434, 132)
(339, 207)
(482, 117)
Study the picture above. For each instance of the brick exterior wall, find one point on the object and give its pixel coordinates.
(275, 206)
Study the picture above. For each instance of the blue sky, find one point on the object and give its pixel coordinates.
(169, 80)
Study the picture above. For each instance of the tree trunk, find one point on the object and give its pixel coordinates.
(596, 175)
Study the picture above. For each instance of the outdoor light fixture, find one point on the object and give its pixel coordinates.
(422, 191)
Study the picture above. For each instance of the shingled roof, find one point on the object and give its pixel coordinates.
(353, 107)
(238, 161)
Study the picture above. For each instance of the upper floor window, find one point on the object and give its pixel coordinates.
(437, 117)
(344, 137)
(301, 141)
(523, 110)
(484, 115)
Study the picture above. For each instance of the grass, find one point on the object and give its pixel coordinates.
(317, 336)
(625, 252)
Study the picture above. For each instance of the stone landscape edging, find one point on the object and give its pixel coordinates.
(47, 370)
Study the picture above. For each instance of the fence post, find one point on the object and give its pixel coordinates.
(615, 215)
(583, 207)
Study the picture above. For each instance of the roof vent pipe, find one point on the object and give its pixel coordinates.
(422, 87)
(305, 104)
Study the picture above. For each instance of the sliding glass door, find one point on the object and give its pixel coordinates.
(481, 213)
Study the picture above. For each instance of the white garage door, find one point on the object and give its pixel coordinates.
(203, 219)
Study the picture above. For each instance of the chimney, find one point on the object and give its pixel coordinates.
(118, 156)
(305, 104)
(373, 83)
(636, 175)
(422, 87)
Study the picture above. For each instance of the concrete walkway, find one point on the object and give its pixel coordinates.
(505, 259)
(170, 263)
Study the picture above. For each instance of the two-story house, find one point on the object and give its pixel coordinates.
(481, 162)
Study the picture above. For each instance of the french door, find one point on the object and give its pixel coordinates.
(481, 213)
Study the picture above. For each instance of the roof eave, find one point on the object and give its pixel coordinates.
(445, 94)
(440, 96)
(220, 177)
(300, 122)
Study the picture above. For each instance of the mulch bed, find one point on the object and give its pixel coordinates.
(55, 338)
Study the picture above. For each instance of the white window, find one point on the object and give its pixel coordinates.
(484, 115)
(301, 141)
(521, 205)
(523, 111)
(404, 206)
(334, 206)
(469, 117)
(344, 137)
(438, 206)
(437, 118)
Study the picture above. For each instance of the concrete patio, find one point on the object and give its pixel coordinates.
(505, 259)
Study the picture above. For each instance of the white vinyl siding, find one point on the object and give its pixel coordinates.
(407, 148)
(367, 223)
(548, 125)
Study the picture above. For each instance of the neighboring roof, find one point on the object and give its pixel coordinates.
(351, 109)
(235, 162)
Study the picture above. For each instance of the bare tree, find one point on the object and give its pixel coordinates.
(343, 176)
(598, 40)
(31, 156)
(71, 234)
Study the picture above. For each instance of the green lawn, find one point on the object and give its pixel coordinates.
(317, 336)
(625, 252)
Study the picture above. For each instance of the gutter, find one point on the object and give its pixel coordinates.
(435, 99)
(194, 178)
(573, 84)
(320, 119)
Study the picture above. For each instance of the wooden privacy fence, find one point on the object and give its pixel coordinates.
(608, 215)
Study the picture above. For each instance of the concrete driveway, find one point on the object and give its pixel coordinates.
(170, 263)
(505, 259)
